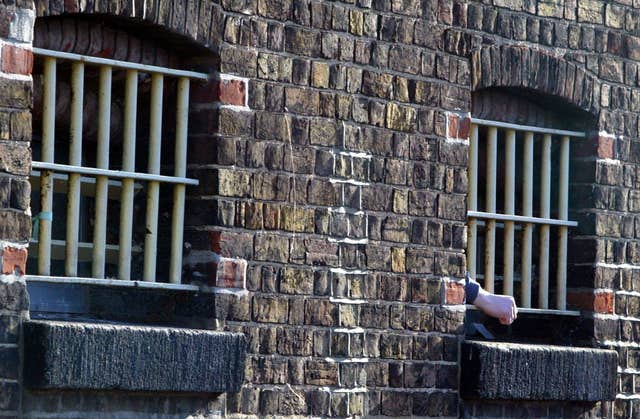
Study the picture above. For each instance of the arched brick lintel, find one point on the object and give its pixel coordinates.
(535, 70)
(194, 20)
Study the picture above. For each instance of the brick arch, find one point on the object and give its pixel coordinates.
(522, 67)
(189, 19)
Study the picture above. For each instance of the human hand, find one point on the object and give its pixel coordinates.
(502, 307)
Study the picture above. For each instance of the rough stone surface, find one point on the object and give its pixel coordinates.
(67, 355)
(535, 372)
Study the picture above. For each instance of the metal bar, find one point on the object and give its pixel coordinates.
(153, 192)
(116, 174)
(472, 201)
(180, 169)
(563, 213)
(75, 159)
(575, 313)
(509, 208)
(520, 219)
(490, 204)
(545, 210)
(102, 182)
(528, 128)
(46, 181)
(527, 211)
(120, 64)
(128, 165)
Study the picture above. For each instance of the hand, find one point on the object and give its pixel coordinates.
(502, 307)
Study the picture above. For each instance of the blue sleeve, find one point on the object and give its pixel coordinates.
(471, 289)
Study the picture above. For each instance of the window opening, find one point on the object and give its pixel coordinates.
(88, 212)
(517, 204)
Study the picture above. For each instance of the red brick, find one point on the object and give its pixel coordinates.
(232, 92)
(14, 260)
(603, 147)
(606, 147)
(452, 126)
(599, 302)
(16, 60)
(231, 273)
(603, 302)
(214, 241)
(464, 127)
(454, 293)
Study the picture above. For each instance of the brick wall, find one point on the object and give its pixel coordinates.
(16, 28)
(332, 154)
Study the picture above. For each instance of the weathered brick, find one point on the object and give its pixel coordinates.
(321, 373)
(270, 309)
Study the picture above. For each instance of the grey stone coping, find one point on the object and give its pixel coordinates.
(75, 355)
(496, 370)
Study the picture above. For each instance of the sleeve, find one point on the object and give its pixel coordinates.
(471, 289)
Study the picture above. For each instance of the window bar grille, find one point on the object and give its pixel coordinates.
(563, 214)
(509, 218)
(509, 208)
(128, 165)
(180, 170)
(490, 227)
(527, 211)
(102, 182)
(472, 200)
(545, 211)
(75, 159)
(153, 191)
(46, 181)
(128, 176)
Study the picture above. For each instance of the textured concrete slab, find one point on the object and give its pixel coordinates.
(75, 355)
(537, 372)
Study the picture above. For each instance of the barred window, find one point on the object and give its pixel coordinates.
(101, 189)
(518, 202)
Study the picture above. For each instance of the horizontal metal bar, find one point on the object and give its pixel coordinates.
(529, 128)
(84, 253)
(520, 219)
(522, 310)
(118, 174)
(87, 185)
(120, 64)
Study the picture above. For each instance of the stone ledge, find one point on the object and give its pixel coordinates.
(73, 355)
(499, 370)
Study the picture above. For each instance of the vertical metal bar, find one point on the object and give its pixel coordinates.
(180, 170)
(490, 234)
(46, 180)
(545, 210)
(102, 182)
(128, 165)
(563, 214)
(527, 211)
(472, 200)
(75, 159)
(509, 208)
(153, 192)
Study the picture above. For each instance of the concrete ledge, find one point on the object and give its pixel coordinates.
(533, 372)
(73, 355)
